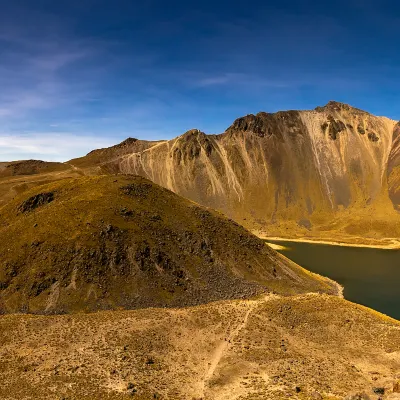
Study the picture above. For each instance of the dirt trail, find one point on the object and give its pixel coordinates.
(223, 347)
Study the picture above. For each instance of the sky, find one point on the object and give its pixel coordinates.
(79, 75)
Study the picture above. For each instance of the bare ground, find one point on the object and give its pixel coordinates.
(302, 347)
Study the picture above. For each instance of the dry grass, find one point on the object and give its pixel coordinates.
(259, 349)
(104, 242)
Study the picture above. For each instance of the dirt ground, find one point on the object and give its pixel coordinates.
(302, 347)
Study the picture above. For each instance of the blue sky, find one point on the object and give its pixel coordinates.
(79, 75)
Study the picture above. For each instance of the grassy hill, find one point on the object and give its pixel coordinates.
(18, 176)
(106, 242)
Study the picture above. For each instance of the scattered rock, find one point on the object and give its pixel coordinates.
(305, 223)
(137, 189)
(335, 126)
(379, 390)
(358, 396)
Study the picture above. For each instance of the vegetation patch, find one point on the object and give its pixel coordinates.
(137, 190)
(360, 130)
(335, 127)
(373, 137)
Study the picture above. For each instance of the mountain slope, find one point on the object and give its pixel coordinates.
(92, 162)
(394, 168)
(30, 167)
(107, 242)
(319, 172)
(18, 176)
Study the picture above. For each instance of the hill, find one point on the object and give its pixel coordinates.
(328, 173)
(30, 167)
(106, 242)
(18, 176)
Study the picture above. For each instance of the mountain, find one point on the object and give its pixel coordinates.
(106, 242)
(329, 172)
(168, 299)
(332, 173)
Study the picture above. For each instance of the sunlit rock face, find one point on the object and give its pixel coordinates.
(294, 167)
(394, 168)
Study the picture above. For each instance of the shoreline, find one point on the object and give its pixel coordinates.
(395, 245)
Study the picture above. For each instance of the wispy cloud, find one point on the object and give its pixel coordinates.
(59, 146)
(252, 81)
(35, 67)
(234, 79)
(64, 87)
(36, 84)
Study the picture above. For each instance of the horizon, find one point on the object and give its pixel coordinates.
(88, 74)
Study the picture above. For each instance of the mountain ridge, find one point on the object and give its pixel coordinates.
(297, 169)
(324, 173)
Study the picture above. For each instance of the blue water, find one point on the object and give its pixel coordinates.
(370, 276)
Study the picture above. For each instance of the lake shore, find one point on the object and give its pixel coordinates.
(386, 244)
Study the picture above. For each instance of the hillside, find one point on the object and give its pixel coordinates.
(18, 176)
(332, 172)
(109, 242)
(93, 161)
(30, 167)
(308, 347)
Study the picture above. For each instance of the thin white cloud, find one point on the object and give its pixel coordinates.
(33, 71)
(253, 81)
(60, 146)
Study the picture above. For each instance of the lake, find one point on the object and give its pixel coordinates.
(370, 276)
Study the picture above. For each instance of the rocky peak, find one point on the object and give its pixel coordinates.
(191, 133)
(332, 106)
(127, 142)
(266, 124)
(257, 124)
(25, 163)
(190, 145)
(31, 167)
(123, 145)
